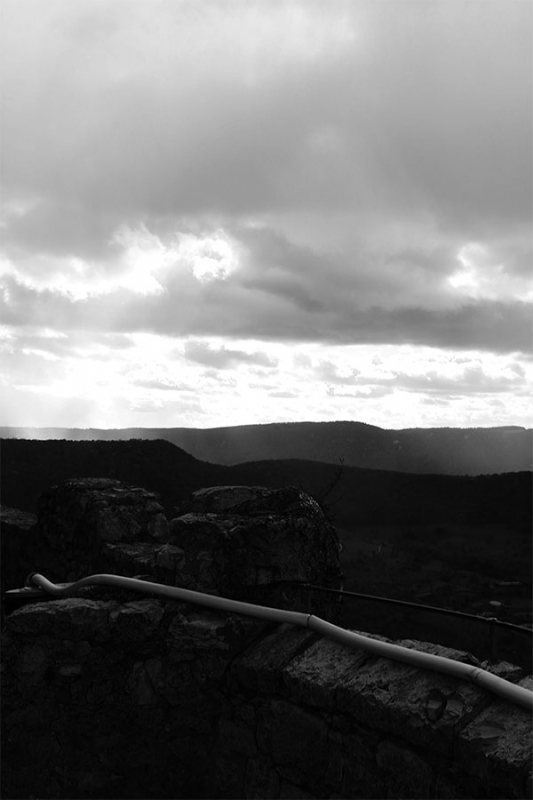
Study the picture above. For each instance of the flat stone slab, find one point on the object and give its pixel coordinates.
(425, 707)
(498, 744)
(16, 519)
(261, 667)
(162, 562)
(253, 501)
(136, 621)
(69, 618)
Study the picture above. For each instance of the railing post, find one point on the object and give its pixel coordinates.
(309, 590)
(493, 642)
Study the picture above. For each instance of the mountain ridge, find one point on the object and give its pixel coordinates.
(451, 451)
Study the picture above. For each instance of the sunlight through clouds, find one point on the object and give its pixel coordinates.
(227, 212)
(209, 257)
(144, 256)
(481, 275)
(256, 382)
(150, 259)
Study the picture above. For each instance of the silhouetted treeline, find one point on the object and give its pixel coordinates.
(360, 496)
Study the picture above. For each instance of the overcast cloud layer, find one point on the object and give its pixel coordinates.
(217, 213)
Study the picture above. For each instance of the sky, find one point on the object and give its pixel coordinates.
(226, 212)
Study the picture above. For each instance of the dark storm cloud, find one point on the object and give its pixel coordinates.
(224, 358)
(456, 104)
(487, 325)
(126, 111)
(370, 392)
(60, 228)
(472, 380)
(286, 291)
(166, 385)
(228, 309)
(362, 275)
(73, 343)
(184, 134)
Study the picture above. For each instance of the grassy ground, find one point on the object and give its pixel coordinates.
(453, 565)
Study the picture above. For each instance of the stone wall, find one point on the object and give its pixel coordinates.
(113, 694)
(307, 717)
(16, 529)
(113, 700)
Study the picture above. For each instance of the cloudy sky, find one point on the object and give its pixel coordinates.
(219, 212)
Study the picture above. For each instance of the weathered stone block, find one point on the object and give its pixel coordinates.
(16, 532)
(261, 667)
(424, 707)
(407, 774)
(261, 779)
(236, 738)
(70, 618)
(251, 501)
(136, 621)
(77, 516)
(288, 791)
(260, 545)
(498, 745)
(313, 676)
(297, 742)
(229, 775)
(140, 684)
(361, 776)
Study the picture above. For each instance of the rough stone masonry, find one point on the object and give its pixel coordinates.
(115, 694)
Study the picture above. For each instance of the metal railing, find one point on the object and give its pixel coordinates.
(493, 624)
(420, 606)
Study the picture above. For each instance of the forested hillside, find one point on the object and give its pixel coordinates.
(451, 451)
(353, 495)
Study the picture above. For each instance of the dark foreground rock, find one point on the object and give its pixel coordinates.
(151, 699)
(16, 528)
(248, 543)
(123, 695)
(254, 544)
(80, 517)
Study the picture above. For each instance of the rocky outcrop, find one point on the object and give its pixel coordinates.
(247, 543)
(16, 528)
(254, 544)
(81, 518)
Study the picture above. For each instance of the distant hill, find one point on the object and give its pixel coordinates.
(357, 496)
(448, 451)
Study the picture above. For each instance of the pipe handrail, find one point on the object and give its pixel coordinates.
(418, 606)
(510, 691)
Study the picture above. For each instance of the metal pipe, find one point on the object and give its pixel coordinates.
(447, 666)
(173, 593)
(509, 691)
